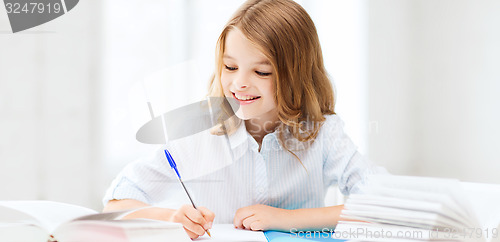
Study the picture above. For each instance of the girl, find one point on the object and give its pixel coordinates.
(269, 59)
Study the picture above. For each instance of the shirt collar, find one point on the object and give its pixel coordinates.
(242, 137)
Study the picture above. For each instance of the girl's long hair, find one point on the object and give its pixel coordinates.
(284, 32)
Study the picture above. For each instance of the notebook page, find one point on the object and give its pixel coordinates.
(227, 233)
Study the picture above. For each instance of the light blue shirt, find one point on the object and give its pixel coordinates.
(247, 176)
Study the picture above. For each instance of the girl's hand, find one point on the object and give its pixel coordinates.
(262, 217)
(195, 222)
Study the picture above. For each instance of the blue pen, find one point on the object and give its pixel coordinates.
(174, 166)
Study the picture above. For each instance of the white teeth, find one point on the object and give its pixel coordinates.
(244, 98)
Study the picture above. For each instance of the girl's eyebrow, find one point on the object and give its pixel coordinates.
(263, 62)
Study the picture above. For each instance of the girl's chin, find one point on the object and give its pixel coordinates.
(245, 115)
(241, 115)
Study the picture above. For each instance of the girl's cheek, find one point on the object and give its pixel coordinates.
(225, 86)
(225, 81)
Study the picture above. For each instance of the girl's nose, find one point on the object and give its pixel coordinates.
(240, 82)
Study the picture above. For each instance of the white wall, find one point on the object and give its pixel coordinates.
(392, 121)
(342, 29)
(434, 76)
(49, 85)
(458, 53)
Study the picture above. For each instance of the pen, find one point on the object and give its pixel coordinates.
(174, 166)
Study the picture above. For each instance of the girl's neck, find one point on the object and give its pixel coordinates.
(259, 127)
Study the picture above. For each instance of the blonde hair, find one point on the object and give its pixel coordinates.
(284, 32)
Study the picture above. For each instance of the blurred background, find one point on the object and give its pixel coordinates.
(417, 85)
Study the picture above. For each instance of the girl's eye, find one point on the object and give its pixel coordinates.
(230, 68)
(263, 73)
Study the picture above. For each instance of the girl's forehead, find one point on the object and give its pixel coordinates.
(239, 48)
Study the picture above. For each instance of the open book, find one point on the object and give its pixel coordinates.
(42, 221)
(422, 208)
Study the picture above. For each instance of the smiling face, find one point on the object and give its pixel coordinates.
(247, 75)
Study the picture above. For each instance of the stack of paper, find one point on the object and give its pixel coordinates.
(421, 208)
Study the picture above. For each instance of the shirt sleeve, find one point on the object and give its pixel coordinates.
(146, 180)
(344, 165)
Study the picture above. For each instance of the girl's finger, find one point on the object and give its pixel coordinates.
(240, 215)
(191, 234)
(192, 226)
(195, 216)
(248, 221)
(208, 215)
(256, 225)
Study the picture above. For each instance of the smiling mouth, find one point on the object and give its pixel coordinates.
(244, 97)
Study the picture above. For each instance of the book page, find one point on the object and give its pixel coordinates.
(448, 192)
(431, 185)
(10, 215)
(48, 214)
(133, 230)
(433, 218)
(21, 232)
(382, 202)
(395, 202)
(227, 233)
(452, 208)
(114, 215)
